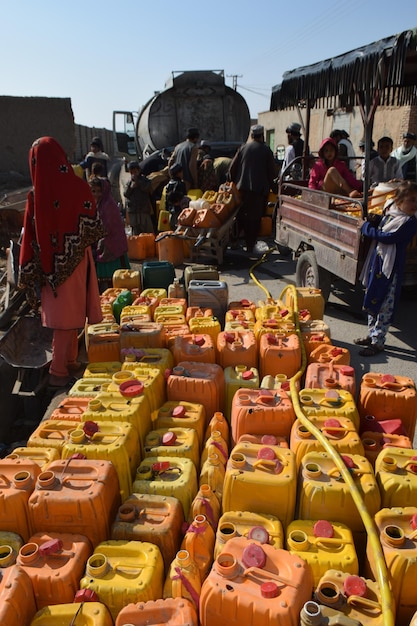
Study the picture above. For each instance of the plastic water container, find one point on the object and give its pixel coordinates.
(196, 311)
(52, 434)
(117, 442)
(313, 340)
(307, 298)
(105, 369)
(181, 414)
(340, 432)
(330, 376)
(157, 274)
(212, 473)
(328, 353)
(17, 600)
(183, 580)
(235, 378)
(260, 527)
(374, 443)
(397, 532)
(323, 545)
(205, 325)
(173, 476)
(240, 315)
(180, 442)
(200, 272)
(205, 503)
(261, 412)
(91, 613)
(122, 572)
(153, 357)
(261, 479)
(396, 473)
(215, 444)
(126, 279)
(175, 300)
(143, 377)
(172, 611)
(103, 342)
(199, 543)
(322, 489)
(141, 246)
(17, 481)
(273, 326)
(218, 423)
(209, 293)
(191, 347)
(151, 518)
(142, 335)
(329, 402)
(55, 563)
(336, 587)
(151, 297)
(387, 397)
(279, 354)
(174, 330)
(237, 347)
(170, 249)
(81, 496)
(271, 585)
(314, 326)
(242, 305)
(198, 382)
(10, 544)
(41, 456)
(135, 313)
(279, 381)
(264, 440)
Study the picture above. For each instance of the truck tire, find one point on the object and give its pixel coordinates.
(308, 274)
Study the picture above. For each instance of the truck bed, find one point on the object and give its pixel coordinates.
(308, 222)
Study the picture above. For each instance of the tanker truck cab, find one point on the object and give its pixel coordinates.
(124, 134)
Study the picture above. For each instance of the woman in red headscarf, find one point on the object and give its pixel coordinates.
(56, 265)
(331, 174)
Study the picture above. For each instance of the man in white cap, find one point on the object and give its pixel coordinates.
(253, 171)
(407, 155)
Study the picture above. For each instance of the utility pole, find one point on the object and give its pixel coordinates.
(235, 77)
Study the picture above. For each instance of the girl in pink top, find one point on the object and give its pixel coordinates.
(331, 174)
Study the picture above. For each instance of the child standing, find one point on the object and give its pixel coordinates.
(139, 200)
(175, 193)
(384, 265)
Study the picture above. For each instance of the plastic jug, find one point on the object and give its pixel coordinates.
(85, 614)
(181, 442)
(235, 378)
(330, 376)
(123, 299)
(181, 414)
(10, 544)
(307, 298)
(41, 456)
(199, 543)
(327, 353)
(213, 473)
(17, 600)
(183, 580)
(142, 335)
(237, 348)
(126, 279)
(171, 611)
(218, 423)
(373, 443)
(279, 354)
(396, 473)
(215, 444)
(17, 482)
(329, 402)
(194, 348)
(205, 503)
(260, 527)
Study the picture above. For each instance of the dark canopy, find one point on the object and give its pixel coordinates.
(388, 66)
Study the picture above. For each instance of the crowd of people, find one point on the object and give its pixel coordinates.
(74, 235)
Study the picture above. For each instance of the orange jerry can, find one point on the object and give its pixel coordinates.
(181, 414)
(396, 473)
(235, 378)
(198, 382)
(83, 613)
(330, 376)
(321, 488)
(374, 442)
(276, 327)
(329, 402)
(192, 347)
(355, 597)
(279, 354)
(142, 335)
(182, 442)
(313, 340)
(196, 311)
(103, 342)
(327, 353)
(183, 580)
(152, 518)
(70, 409)
(323, 545)
(55, 563)
(218, 422)
(397, 532)
(17, 600)
(205, 503)
(261, 479)
(171, 611)
(141, 246)
(122, 572)
(261, 412)
(237, 348)
(170, 249)
(199, 543)
(270, 585)
(212, 473)
(242, 305)
(307, 298)
(215, 444)
(240, 315)
(339, 431)
(17, 482)
(41, 456)
(81, 496)
(388, 397)
(260, 527)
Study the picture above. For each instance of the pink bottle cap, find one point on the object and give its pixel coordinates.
(413, 521)
(169, 438)
(266, 453)
(160, 466)
(354, 586)
(86, 595)
(253, 556)
(387, 378)
(269, 440)
(259, 533)
(131, 388)
(247, 375)
(179, 411)
(50, 547)
(323, 528)
(347, 370)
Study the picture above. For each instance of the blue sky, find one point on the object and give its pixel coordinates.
(111, 55)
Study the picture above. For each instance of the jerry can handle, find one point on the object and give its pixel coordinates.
(365, 602)
(257, 572)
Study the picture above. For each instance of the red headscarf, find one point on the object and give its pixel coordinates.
(61, 219)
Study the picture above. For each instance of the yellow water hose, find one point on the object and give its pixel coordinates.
(262, 259)
(387, 602)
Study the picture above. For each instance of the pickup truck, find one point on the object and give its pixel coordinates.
(323, 233)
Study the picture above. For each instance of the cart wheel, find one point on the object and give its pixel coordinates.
(308, 274)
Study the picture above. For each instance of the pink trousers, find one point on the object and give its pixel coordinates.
(64, 351)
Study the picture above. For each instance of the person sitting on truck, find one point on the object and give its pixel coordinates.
(331, 174)
(139, 202)
(383, 269)
(96, 155)
(345, 148)
(407, 155)
(385, 168)
(294, 149)
(186, 153)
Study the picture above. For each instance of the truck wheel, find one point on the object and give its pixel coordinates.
(308, 274)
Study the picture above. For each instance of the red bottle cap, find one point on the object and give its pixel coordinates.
(347, 370)
(86, 595)
(387, 378)
(199, 340)
(269, 440)
(413, 521)
(259, 533)
(348, 461)
(253, 556)
(336, 351)
(285, 386)
(354, 586)
(78, 456)
(179, 411)
(229, 337)
(332, 421)
(269, 590)
(245, 302)
(323, 528)
(169, 438)
(90, 428)
(271, 338)
(131, 388)
(167, 373)
(50, 547)
(266, 453)
(161, 466)
(284, 312)
(247, 375)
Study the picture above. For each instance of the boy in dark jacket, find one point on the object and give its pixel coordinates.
(139, 202)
